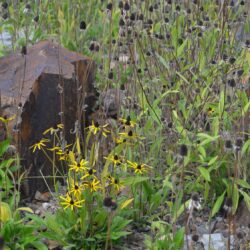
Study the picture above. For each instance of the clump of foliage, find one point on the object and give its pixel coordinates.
(181, 140)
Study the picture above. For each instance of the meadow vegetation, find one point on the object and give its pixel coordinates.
(178, 144)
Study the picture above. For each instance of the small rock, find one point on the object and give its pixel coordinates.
(46, 205)
(42, 196)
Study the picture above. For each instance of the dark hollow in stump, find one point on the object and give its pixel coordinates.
(35, 88)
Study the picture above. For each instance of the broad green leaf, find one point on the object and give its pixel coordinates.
(205, 173)
(245, 147)
(235, 199)
(134, 180)
(246, 199)
(243, 183)
(213, 160)
(218, 204)
(181, 48)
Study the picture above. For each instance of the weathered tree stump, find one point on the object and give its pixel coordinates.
(43, 88)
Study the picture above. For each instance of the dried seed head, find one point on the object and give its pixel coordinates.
(195, 237)
(109, 6)
(238, 143)
(111, 75)
(232, 60)
(4, 5)
(183, 150)
(126, 6)
(231, 83)
(228, 144)
(36, 18)
(240, 235)
(107, 202)
(24, 50)
(195, 197)
(83, 25)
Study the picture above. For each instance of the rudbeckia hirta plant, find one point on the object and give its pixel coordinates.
(39, 145)
(78, 166)
(139, 168)
(70, 202)
(96, 128)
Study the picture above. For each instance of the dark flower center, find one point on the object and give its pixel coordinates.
(130, 133)
(116, 158)
(76, 187)
(90, 171)
(71, 202)
(139, 166)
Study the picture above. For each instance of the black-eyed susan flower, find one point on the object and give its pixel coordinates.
(70, 202)
(93, 185)
(210, 111)
(127, 122)
(139, 168)
(79, 166)
(76, 188)
(39, 145)
(96, 127)
(63, 155)
(5, 119)
(89, 173)
(129, 135)
(116, 183)
(115, 159)
(54, 129)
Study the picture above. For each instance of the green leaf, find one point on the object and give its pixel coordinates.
(213, 160)
(3, 147)
(202, 151)
(39, 245)
(245, 147)
(181, 48)
(221, 103)
(134, 180)
(235, 198)
(218, 204)
(243, 183)
(205, 173)
(179, 237)
(246, 199)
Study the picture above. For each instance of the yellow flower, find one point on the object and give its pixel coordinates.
(116, 183)
(68, 201)
(6, 120)
(39, 145)
(76, 188)
(115, 159)
(53, 130)
(96, 127)
(89, 173)
(139, 168)
(127, 122)
(79, 166)
(129, 135)
(93, 185)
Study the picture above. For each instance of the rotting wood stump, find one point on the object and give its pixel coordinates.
(43, 88)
